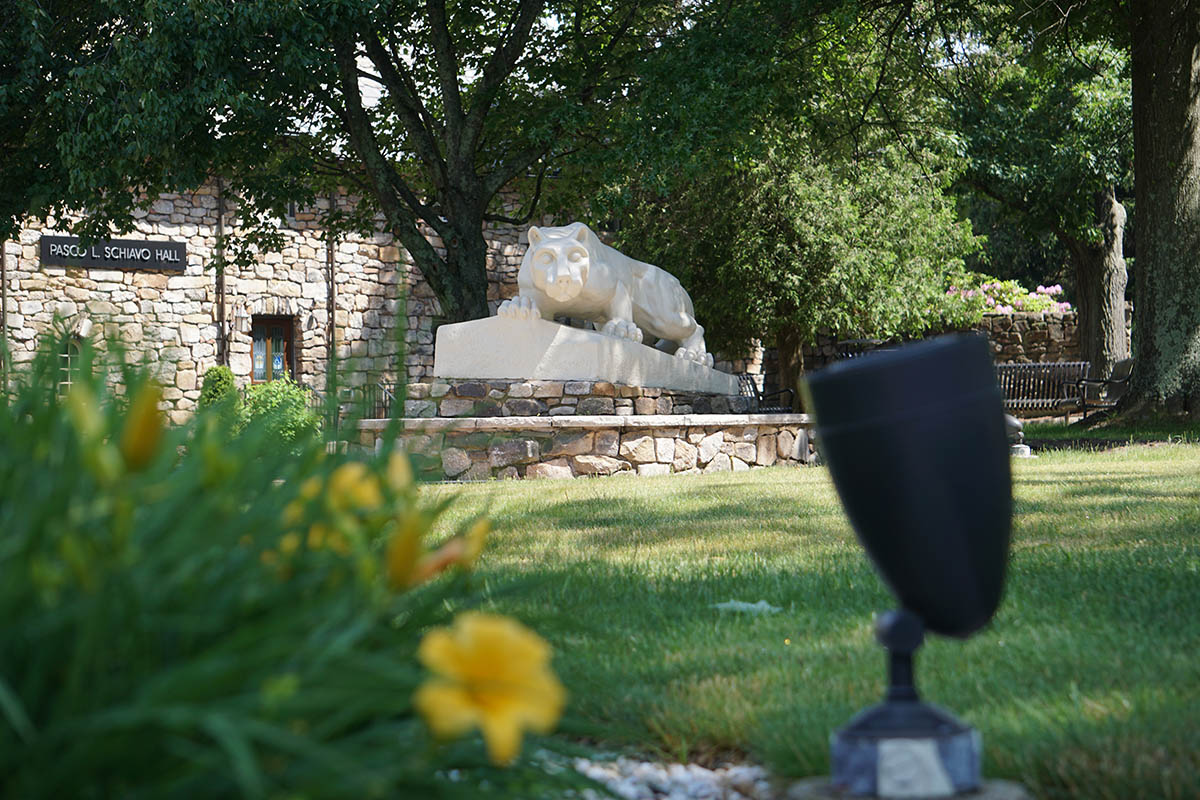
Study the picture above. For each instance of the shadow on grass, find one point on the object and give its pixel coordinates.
(1060, 680)
(618, 521)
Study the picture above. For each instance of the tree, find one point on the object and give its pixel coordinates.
(1166, 132)
(1046, 135)
(1161, 38)
(277, 98)
(817, 203)
(40, 45)
(792, 244)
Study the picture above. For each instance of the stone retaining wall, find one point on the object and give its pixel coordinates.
(480, 448)
(1020, 338)
(1017, 338)
(558, 398)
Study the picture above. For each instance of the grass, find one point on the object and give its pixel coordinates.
(1087, 684)
(1160, 430)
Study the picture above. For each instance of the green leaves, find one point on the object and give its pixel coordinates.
(795, 240)
(207, 625)
(1044, 126)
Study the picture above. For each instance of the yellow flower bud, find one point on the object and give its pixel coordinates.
(462, 551)
(310, 488)
(317, 535)
(399, 472)
(293, 512)
(143, 427)
(289, 544)
(404, 551)
(475, 539)
(84, 411)
(353, 487)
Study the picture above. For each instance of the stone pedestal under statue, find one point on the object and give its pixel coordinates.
(499, 348)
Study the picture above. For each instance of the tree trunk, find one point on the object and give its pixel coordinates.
(458, 278)
(789, 345)
(1100, 279)
(1166, 129)
(465, 295)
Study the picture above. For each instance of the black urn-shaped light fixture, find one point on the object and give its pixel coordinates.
(916, 446)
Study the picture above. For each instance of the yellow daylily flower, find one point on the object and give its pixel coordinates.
(143, 427)
(491, 673)
(352, 487)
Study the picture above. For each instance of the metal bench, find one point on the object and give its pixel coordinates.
(853, 348)
(1098, 393)
(1052, 386)
(765, 402)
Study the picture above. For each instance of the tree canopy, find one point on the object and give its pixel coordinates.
(1046, 134)
(428, 110)
(823, 210)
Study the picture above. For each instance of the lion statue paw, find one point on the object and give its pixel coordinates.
(622, 329)
(699, 356)
(519, 307)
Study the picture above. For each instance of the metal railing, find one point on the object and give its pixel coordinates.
(369, 401)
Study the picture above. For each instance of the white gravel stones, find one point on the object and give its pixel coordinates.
(645, 780)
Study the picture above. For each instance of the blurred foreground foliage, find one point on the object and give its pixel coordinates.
(192, 612)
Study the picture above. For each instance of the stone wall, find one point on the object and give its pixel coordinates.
(558, 398)
(1016, 338)
(482, 448)
(1021, 337)
(169, 319)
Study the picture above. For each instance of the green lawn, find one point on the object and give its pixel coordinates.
(1086, 685)
(1162, 430)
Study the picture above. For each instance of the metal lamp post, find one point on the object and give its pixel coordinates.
(916, 446)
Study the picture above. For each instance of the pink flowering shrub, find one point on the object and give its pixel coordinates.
(991, 296)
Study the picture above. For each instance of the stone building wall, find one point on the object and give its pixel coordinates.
(169, 319)
(165, 318)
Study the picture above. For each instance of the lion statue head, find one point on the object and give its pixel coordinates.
(558, 259)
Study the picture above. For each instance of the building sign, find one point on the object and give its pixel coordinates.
(68, 251)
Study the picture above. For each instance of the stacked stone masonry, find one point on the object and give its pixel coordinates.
(482, 448)
(558, 398)
(169, 319)
(1017, 338)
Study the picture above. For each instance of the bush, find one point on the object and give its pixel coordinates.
(982, 294)
(283, 408)
(222, 619)
(218, 387)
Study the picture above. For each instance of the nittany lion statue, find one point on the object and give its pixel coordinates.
(569, 272)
